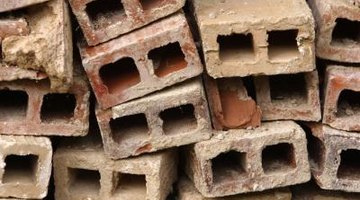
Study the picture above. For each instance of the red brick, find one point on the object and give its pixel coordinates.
(8, 5)
(124, 68)
(9, 27)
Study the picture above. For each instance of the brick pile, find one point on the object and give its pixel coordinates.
(179, 99)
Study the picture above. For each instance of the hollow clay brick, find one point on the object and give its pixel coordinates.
(273, 155)
(8, 5)
(342, 95)
(230, 105)
(241, 38)
(25, 166)
(172, 117)
(337, 29)
(290, 96)
(133, 73)
(102, 20)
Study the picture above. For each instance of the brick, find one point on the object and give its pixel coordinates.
(124, 68)
(102, 20)
(273, 155)
(242, 38)
(289, 96)
(342, 95)
(48, 47)
(8, 5)
(84, 172)
(173, 117)
(31, 108)
(337, 29)
(9, 27)
(25, 166)
(230, 105)
(11, 73)
(187, 191)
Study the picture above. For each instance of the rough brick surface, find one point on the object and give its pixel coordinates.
(338, 30)
(124, 68)
(8, 5)
(342, 96)
(242, 38)
(290, 96)
(173, 117)
(273, 155)
(102, 20)
(230, 105)
(25, 166)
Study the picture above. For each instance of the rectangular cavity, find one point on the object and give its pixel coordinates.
(236, 47)
(348, 104)
(103, 13)
(20, 169)
(346, 32)
(228, 167)
(58, 107)
(129, 186)
(349, 167)
(85, 182)
(179, 119)
(282, 45)
(278, 158)
(13, 104)
(148, 5)
(167, 59)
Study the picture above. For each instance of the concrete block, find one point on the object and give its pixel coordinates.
(8, 5)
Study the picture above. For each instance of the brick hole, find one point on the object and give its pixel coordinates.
(57, 107)
(129, 128)
(167, 59)
(129, 186)
(84, 181)
(20, 169)
(289, 89)
(120, 76)
(349, 165)
(103, 13)
(236, 47)
(346, 32)
(348, 103)
(180, 119)
(282, 45)
(316, 149)
(278, 158)
(229, 166)
(148, 5)
(13, 104)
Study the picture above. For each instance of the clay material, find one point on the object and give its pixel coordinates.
(8, 5)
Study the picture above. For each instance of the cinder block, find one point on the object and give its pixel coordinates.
(187, 191)
(25, 166)
(84, 172)
(289, 96)
(273, 155)
(342, 97)
(124, 68)
(173, 117)
(48, 46)
(230, 105)
(31, 108)
(102, 20)
(337, 29)
(8, 5)
(242, 38)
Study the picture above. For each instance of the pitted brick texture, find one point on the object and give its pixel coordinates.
(9, 5)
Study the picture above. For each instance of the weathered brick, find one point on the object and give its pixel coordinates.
(172, 117)
(8, 5)
(289, 96)
(273, 155)
(9, 27)
(338, 31)
(242, 38)
(25, 166)
(124, 68)
(102, 20)
(342, 96)
(230, 105)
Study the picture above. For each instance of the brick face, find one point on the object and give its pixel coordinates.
(8, 5)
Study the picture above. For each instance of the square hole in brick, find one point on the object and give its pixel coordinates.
(283, 45)
(288, 89)
(148, 5)
(129, 186)
(103, 13)
(58, 107)
(348, 104)
(278, 158)
(120, 75)
(228, 167)
(84, 182)
(236, 47)
(13, 104)
(346, 32)
(129, 129)
(179, 119)
(349, 167)
(20, 169)
(167, 59)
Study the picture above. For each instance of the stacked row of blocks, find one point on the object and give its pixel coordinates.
(272, 98)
